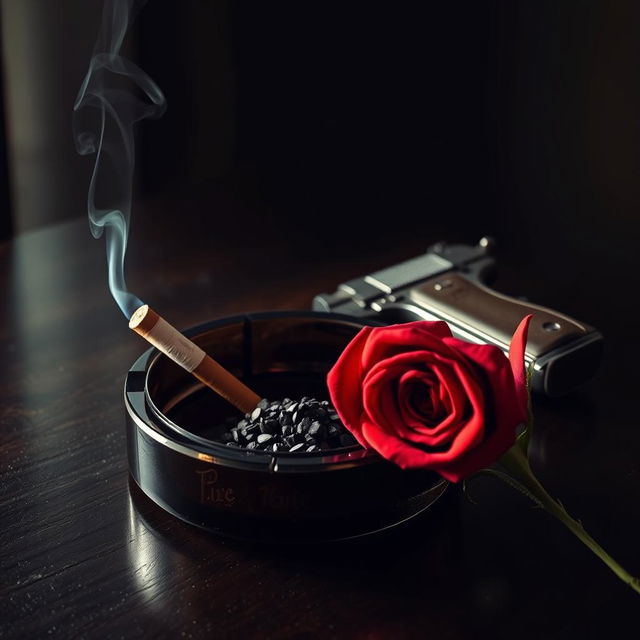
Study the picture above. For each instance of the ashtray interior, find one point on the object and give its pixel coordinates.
(276, 356)
(201, 413)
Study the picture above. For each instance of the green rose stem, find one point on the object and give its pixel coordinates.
(519, 476)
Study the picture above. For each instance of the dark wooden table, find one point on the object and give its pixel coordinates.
(82, 555)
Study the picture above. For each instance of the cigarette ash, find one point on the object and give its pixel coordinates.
(295, 426)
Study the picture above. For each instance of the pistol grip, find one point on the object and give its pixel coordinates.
(476, 311)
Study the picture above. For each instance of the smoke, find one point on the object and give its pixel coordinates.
(114, 95)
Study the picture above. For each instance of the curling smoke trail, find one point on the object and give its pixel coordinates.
(104, 114)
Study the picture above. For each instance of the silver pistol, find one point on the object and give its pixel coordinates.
(449, 283)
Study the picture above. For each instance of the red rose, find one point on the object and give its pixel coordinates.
(424, 399)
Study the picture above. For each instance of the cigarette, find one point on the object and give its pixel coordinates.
(168, 340)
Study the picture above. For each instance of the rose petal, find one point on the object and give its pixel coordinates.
(395, 449)
(381, 410)
(507, 408)
(450, 373)
(438, 434)
(385, 342)
(417, 397)
(380, 396)
(344, 381)
(516, 358)
(424, 396)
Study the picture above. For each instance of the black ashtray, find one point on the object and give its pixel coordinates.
(174, 425)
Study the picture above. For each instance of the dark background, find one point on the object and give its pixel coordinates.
(305, 144)
(516, 118)
(513, 118)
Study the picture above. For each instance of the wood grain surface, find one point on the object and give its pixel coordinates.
(84, 555)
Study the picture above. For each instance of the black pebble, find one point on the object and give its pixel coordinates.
(316, 430)
(286, 420)
(270, 426)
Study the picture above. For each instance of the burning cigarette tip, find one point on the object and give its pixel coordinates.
(143, 319)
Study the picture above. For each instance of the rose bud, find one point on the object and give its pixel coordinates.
(424, 399)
